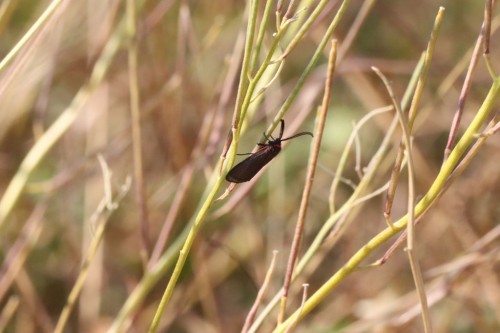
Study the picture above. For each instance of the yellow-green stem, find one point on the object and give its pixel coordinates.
(387, 233)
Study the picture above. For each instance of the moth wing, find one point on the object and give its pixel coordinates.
(248, 168)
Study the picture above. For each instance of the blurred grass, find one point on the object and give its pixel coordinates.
(182, 63)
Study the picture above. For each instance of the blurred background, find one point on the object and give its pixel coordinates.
(188, 70)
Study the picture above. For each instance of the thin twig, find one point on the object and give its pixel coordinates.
(430, 197)
(357, 153)
(495, 128)
(314, 59)
(243, 86)
(260, 35)
(445, 277)
(454, 175)
(43, 19)
(253, 311)
(417, 273)
(8, 310)
(311, 170)
(18, 252)
(290, 327)
(412, 113)
(309, 22)
(135, 113)
(345, 153)
(371, 195)
(33, 302)
(338, 219)
(488, 8)
(399, 159)
(463, 96)
(288, 13)
(99, 218)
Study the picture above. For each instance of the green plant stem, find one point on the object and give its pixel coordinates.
(135, 114)
(345, 154)
(243, 81)
(202, 213)
(410, 248)
(352, 201)
(310, 66)
(427, 200)
(148, 281)
(412, 113)
(260, 34)
(262, 69)
(60, 126)
(30, 33)
(100, 217)
(305, 27)
(260, 295)
(237, 120)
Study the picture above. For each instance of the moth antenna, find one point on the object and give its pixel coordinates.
(298, 134)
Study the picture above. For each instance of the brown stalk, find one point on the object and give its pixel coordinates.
(463, 95)
(135, 112)
(258, 300)
(412, 113)
(299, 229)
(18, 252)
(414, 264)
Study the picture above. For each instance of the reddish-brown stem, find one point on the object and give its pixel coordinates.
(321, 119)
(463, 96)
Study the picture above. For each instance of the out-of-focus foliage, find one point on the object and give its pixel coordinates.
(184, 50)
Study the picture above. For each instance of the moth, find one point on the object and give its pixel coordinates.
(249, 167)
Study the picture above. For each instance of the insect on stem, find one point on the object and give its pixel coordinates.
(249, 167)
